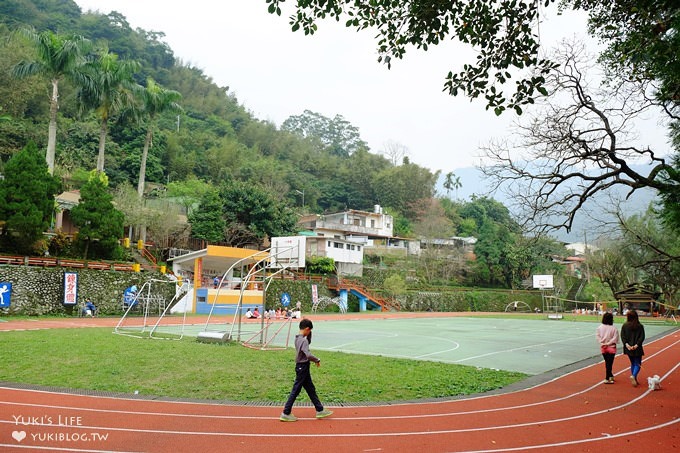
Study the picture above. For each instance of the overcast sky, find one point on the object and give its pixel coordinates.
(276, 73)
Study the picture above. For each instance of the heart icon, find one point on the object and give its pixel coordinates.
(19, 435)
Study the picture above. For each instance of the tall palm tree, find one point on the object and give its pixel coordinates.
(58, 57)
(452, 182)
(154, 101)
(107, 87)
(457, 185)
(448, 182)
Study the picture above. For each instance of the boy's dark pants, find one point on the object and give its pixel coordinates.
(303, 379)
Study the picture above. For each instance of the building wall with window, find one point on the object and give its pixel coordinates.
(348, 255)
(361, 223)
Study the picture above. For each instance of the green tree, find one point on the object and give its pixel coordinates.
(497, 235)
(26, 198)
(611, 264)
(100, 224)
(405, 188)
(253, 214)
(642, 39)
(155, 100)
(337, 135)
(502, 33)
(452, 182)
(527, 256)
(395, 285)
(320, 265)
(670, 192)
(206, 220)
(654, 251)
(107, 87)
(127, 202)
(188, 193)
(57, 57)
(403, 227)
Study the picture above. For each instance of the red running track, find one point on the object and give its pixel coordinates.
(572, 413)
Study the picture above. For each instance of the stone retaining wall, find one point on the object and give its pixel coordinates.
(39, 291)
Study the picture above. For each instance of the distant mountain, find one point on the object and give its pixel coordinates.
(589, 221)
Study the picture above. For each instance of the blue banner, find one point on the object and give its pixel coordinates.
(5, 294)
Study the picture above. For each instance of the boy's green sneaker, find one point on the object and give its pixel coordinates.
(287, 417)
(324, 413)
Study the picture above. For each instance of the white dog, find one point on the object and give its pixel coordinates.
(654, 382)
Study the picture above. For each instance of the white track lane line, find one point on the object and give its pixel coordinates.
(410, 433)
(232, 417)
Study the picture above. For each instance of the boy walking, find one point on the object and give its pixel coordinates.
(303, 378)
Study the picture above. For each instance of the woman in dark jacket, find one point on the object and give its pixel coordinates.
(632, 336)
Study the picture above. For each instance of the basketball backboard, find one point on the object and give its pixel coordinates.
(543, 282)
(288, 251)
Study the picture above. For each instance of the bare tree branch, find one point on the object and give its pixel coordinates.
(576, 147)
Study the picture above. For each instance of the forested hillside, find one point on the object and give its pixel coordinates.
(240, 179)
(214, 139)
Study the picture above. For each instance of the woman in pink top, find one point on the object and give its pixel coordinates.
(608, 337)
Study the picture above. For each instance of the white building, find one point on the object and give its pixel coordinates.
(361, 224)
(344, 235)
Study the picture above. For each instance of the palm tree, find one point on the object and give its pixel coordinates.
(57, 57)
(452, 182)
(154, 101)
(106, 86)
(457, 185)
(448, 182)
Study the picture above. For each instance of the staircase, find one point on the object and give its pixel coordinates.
(576, 289)
(385, 303)
(144, 258)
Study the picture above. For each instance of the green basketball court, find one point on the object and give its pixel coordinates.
(527, 346)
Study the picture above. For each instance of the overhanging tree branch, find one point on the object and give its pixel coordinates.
(576, 147)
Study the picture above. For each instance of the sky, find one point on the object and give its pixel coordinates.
(276, 73)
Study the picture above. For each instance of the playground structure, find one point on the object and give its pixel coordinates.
(153, 307)
(518, 307)
(323, 302)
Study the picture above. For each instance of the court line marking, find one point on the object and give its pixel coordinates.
(503, 351)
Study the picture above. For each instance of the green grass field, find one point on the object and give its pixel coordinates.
(95, 359)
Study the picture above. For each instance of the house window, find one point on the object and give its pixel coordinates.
(358, 248)
(347, 246)
(372, 223)
(329, 243)
(337, 245)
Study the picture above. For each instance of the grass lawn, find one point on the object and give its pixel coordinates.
(96, 359)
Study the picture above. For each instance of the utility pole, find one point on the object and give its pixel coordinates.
(585, 251)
